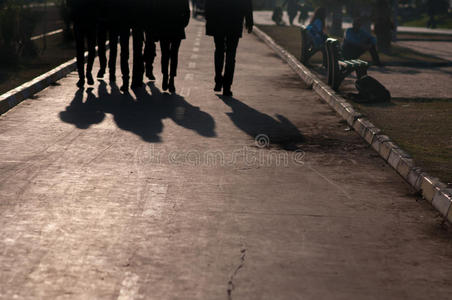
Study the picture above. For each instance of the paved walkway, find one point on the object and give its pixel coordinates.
(152, 196)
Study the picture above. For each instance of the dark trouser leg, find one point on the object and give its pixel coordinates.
(231, 51)
(114, 38)
(219, 57)
(124, 37)
(138, 62)
(375, 56)
(175, 45)
(102, 49)
(165, 46)
(80, 46)
(149, 52)
(91, 36)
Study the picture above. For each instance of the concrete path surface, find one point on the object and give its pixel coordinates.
(152, 196)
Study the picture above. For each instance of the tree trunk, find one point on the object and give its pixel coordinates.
(336, 26)
(383, 25)
(395, 15)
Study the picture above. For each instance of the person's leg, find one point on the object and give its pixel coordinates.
(219, 61)
(175, 45)
(165, 49)
(138, 62)
(124, 37)
(114, 38)
(149, 55)
(91, 37)
(80, 48)
(375, 56)
(231, 51)
(102, 49)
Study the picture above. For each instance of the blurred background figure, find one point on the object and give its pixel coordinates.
(316, 29)
(304, 8)
(225, 23)
(357, 41)
(170, 17)
(84, 17)
(277, 15)
(293, 7)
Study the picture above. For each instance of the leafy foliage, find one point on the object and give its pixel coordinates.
(17, 23)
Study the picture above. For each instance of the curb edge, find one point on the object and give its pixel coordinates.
(431, 189)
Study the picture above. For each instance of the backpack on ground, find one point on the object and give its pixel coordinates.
(371, 90)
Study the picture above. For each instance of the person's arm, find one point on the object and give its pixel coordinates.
(186, 12)
(249, 20)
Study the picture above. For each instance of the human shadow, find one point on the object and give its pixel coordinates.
(142, 115)
(83, 114)
(280, 131)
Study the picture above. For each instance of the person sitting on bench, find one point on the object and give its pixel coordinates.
(357, 42)
(315, 30)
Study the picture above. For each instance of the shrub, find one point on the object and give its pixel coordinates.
(17, 24)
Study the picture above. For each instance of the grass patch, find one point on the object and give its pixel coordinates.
(421, 126)
(56, 52)
(424, 37)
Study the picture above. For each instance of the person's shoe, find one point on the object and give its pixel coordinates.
(227, 92)
(165, 82)
(81, 83)
(171, 86)
(100, 74)
(125, 87)
(218, 87)
(150, 74)
(89, 78)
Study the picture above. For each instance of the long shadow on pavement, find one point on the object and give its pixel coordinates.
(142, 115)
(280, 131)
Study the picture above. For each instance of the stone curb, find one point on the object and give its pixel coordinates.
(432, 189)
(14, 97)
(28, 89)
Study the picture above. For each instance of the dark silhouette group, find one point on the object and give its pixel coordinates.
(149, 22)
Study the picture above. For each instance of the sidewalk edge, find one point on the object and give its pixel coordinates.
(432, 189)
(15, 96)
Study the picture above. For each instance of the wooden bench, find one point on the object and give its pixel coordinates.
(338, 68)
(307, 47)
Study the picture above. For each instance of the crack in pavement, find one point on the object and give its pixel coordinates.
(231, 285)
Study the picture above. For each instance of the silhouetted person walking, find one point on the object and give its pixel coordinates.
(84, 16)
(102, 34)
(170, 17)
(139, 10)
(149, 46)
(225, 23)
(119, 19)
(292, 10)
(150, 52)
